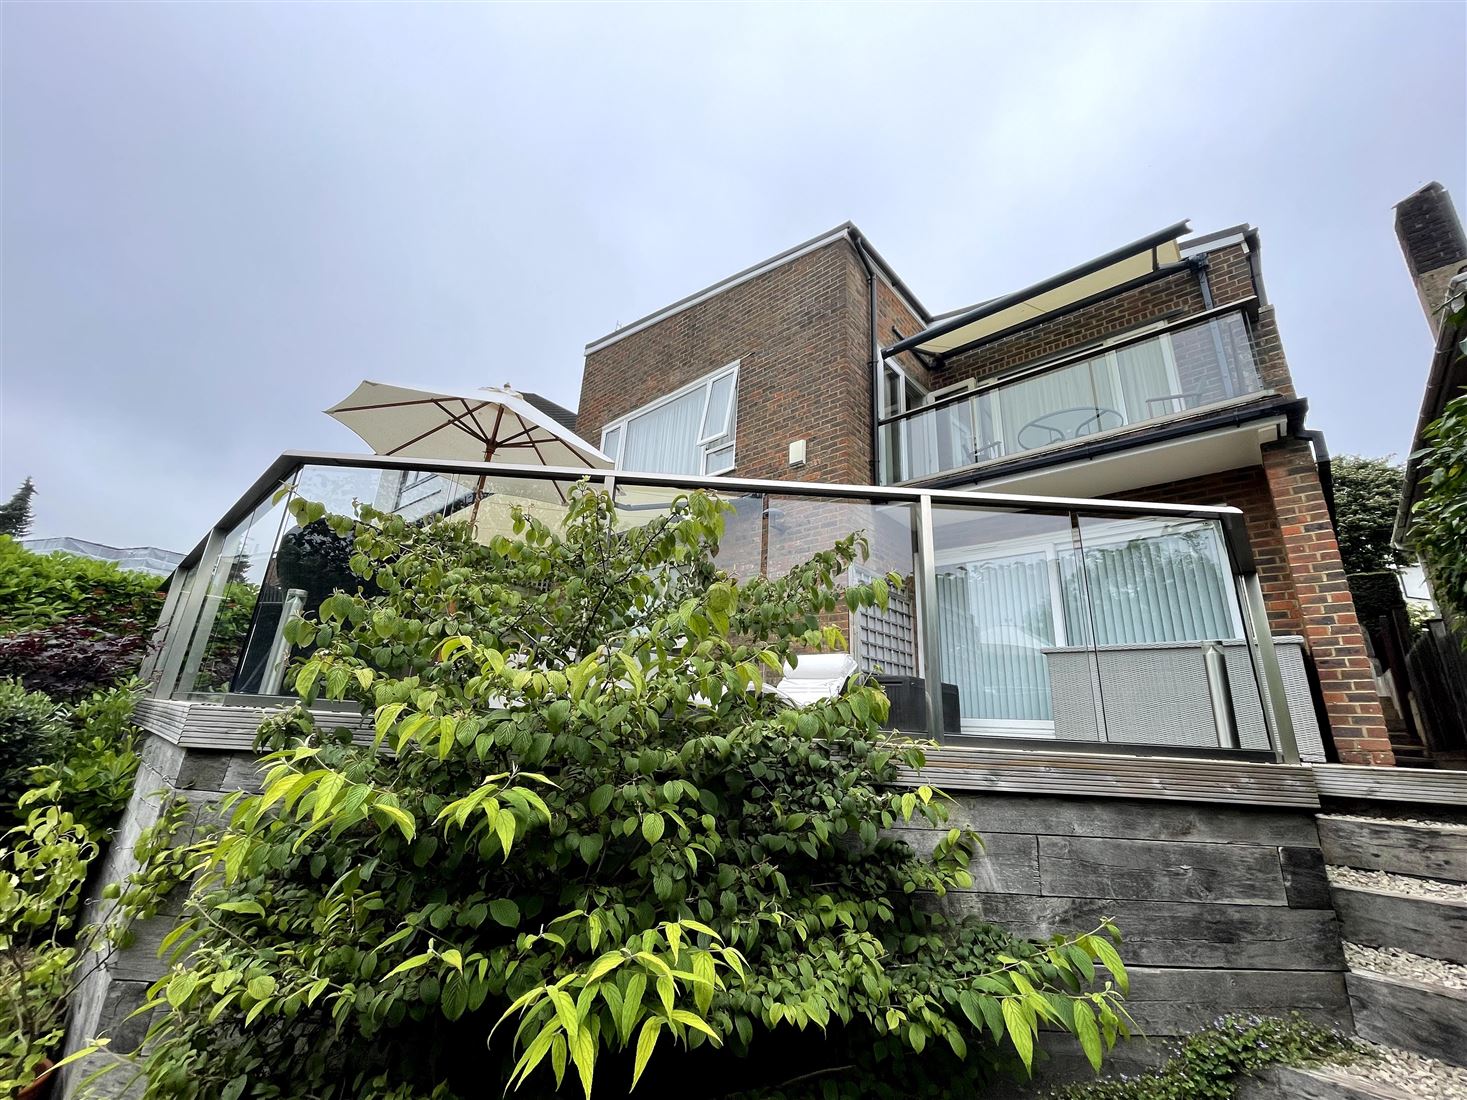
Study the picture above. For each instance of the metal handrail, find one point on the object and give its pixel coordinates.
(289, 461)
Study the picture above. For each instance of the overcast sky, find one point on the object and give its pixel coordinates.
(219, 217)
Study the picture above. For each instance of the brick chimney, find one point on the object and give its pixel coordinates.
(1434, 245)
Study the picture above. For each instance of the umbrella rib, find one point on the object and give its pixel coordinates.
(389, 405)
(451, 422)
(484, 437)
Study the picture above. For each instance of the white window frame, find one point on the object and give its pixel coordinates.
(706, 445)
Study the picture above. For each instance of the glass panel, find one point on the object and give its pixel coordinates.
(665, 440)
(882, 642)
(611, 443)
(230, 601)
(1149, 386)
(720, 404)
(720, 461)
(1060, 405)
(172, 631)
(1019, 666)
(271, 568)
(1168, 374)
(1160, 601)
(738, 550)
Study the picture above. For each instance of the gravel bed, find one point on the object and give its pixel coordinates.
(1389, 817)
(1399, 884)
(1423, 1078)
(1403, 964)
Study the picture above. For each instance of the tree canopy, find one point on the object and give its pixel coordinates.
(595, 852)
(1367, 498)
(1439, 518)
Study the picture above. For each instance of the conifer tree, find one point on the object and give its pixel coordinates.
(15, 517)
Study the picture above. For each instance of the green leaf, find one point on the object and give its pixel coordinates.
(631, 1005)
(1107, 955)
(646, 1043)
(583, 1054)
(1087, 1033)
(504, 826)
(253, 907)
(1019, 1031)
(601, 798)
(408, 964)
(652, 827)
(505, 912)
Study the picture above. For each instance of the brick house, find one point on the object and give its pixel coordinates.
(1154, 372)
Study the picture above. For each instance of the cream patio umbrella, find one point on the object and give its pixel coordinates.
(493, 424)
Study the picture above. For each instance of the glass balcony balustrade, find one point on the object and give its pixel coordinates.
(1135, 381)
(1113, 624)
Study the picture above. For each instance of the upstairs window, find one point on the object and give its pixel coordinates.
(690, 431)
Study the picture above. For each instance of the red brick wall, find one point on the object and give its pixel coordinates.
(1175, 294)
(801, 334)
(1335, 639)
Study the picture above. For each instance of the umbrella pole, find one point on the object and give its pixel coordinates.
(479, 493)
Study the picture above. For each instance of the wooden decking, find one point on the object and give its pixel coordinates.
(224, 728)
(219, 727)
(1110, 775)
(1438, 787)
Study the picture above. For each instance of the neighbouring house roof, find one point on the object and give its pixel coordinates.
(139, 559)
(846, 230)
(1446, 378)
(1120, 266)
(559, 413)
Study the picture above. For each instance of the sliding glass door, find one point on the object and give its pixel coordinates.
(1024, 603)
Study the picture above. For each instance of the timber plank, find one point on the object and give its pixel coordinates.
(1441, 787)
(1434, 927)
(1116, 776)
(1179, 1001)
(1428, 851)
(1007, 863)
(1132, 820)
(1306, 883)
(1429, 1019)
(1174, 934)
(1161, 870)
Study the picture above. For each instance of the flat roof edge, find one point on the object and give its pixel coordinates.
(847, 229)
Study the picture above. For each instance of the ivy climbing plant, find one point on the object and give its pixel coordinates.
(585, 851)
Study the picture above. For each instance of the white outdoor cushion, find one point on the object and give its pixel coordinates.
(818, 676)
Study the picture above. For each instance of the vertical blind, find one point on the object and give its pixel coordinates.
(995, 618)
(1165, 587)
(664, 440)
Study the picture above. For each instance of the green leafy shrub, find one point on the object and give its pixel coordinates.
(596, 843)
(29, 736)
(1211, 1062)
(91, 768)
(44, 956)
(1439, 518)
(43, 865)
(39, 589)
